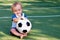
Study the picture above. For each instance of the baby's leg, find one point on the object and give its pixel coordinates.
(14, 32)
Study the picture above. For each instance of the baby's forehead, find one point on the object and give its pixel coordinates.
(18, 6)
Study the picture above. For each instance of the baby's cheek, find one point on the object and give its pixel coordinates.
(15, 12)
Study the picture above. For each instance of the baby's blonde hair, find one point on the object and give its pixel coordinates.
(15, 4)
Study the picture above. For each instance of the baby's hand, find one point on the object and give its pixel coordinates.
(19, 18)
(25, 34)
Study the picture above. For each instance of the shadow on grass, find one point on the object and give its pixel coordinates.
(5, 23)
(5, 7)
(47, 27)
(42, 8)
(5, 27)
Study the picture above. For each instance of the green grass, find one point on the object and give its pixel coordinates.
(43, 28)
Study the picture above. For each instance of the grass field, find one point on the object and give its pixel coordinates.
(45, 23)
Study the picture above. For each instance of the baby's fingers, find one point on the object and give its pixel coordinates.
(21, 37)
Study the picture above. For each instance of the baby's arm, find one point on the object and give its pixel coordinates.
(16, 19)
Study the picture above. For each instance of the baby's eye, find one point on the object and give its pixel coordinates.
(15, 10)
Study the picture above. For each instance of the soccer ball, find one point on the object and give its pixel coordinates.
(24, 25)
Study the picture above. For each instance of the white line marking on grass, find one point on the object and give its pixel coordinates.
(4, 17)
(4, 9)
(46, 16)
(34, 8)
(37, 16)
(6, 4)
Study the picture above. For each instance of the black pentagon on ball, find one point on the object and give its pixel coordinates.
(28, 24)
(20, 25)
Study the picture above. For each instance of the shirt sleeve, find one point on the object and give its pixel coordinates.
(13, 16)
(25, 15)
(13, 25)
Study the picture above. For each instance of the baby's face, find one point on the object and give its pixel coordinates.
(17, 9)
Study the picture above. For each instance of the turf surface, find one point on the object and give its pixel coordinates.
(43, 28)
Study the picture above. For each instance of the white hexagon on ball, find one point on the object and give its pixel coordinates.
(24, 25)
